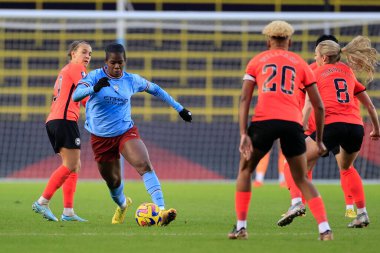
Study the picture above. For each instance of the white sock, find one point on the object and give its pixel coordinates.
(259, 177)
(43, 201)
(241, 224)
(296, 200)
(361, 210)
(323, 227)
(349, 207)
(124, 205)
(68, 211)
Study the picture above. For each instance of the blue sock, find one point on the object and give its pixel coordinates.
(117, 194)
(153, 187)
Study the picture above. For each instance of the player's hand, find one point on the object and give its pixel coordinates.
(321, 148)
(246, 147)
(375, 135)
(103, 82)
(186, 115)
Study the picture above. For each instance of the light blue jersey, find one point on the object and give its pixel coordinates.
(108, 112)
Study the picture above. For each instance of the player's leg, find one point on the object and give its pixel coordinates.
(297, 206)
(294, 147)
(106, 151)
(261, 170)
(110, 172)
(314, 200)
(136, 153)
(348, 199)
(70, 159)
(262, 134)
(56, 180)
(355, 186)
(243, 193)
(350, 147)
(57, 131)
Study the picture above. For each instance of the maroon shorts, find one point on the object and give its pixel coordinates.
(107, 149)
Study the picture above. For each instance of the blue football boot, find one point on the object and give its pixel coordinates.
(72, 218)
(44, 210)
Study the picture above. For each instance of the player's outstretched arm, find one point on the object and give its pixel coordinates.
(157, 91)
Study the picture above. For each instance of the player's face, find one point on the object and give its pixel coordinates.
(115, 64)
(82, 55)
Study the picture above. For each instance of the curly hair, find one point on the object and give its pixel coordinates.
(278, 29)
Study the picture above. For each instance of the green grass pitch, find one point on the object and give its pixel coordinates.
(205, 216)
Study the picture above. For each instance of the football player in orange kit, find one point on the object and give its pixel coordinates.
(278, 74)
(63, 132)
(344, 127)
(297, 202)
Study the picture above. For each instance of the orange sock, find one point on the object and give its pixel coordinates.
(355, 185)
(317, 208)
(293, 189)
(242, 200)
(56, 180)
(346, 189)
(68, 189)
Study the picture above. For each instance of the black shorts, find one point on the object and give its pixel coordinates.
(291, 135)
(345, 135)
(63, 134)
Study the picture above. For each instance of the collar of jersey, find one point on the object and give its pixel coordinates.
(112, 77)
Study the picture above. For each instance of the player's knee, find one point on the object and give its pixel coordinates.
(74, 167)
(143, 167)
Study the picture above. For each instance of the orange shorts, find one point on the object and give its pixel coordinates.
(107, 149)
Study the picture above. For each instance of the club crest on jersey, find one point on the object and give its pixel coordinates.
(116, 87)
(77, 141)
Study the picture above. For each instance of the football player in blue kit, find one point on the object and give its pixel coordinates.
(108, 119)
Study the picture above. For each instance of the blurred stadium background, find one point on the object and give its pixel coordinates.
(199, 57)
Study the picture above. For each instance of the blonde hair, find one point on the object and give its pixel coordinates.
(278, 29)
(361, 56)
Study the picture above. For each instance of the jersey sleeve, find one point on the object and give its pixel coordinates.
(309, 77)
(77, 72)
(88, 80)
(251, 69)
(140, 84)
(359, 87)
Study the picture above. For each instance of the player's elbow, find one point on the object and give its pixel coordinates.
(76, 98)
(320, 108)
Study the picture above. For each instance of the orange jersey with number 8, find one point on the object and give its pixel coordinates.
(338, 86)
(63, 107)
(279, 76)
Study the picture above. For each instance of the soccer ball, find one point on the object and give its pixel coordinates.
(148, 214)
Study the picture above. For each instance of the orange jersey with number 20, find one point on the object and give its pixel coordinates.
(279, 76)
